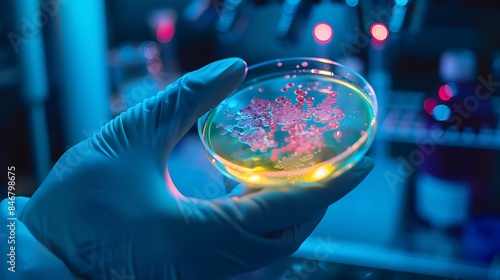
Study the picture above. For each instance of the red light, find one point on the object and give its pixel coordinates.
(429, 105)
(379, 32)
(445, 92)
(323, 32)
(165, 32)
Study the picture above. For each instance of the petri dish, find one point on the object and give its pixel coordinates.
(292, 122)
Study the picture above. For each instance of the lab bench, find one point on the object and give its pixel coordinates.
(371, 234)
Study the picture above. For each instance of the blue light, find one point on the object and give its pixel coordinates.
(127, 53)
(441, 112)
(351, 3)
(401, 2)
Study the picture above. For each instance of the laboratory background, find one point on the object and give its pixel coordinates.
(430, 208)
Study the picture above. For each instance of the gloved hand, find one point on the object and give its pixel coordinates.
(31, 259)
(107, 208)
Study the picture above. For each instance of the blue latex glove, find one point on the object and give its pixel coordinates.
(107, 208)
(32, 260)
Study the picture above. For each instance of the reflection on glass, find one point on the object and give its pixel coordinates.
(294, 121)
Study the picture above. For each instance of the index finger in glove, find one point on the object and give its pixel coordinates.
(157, 124)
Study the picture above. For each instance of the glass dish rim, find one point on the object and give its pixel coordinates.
(366, 89)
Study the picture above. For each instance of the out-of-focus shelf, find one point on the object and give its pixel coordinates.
(375, 256)
(405, 122)
(370, 234)
(370, 227)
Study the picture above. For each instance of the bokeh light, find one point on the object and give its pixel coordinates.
(379, 32)
(127, 53)
(446, 91)
(149, 49)
(429, 105)
(401, 2)
(441, 112)
(351, 3)
(323, 32)
(165, 32)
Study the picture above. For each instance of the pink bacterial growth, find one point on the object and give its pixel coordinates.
(257, 122)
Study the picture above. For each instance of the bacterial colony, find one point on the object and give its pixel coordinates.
(301, 125)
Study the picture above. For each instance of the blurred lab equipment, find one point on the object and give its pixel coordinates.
(81, 32)
(33, 84)
(454, 183)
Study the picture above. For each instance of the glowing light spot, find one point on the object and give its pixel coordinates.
(322, 172)
(149, 49)
(261, 89)
(165, 32)
(323, 32)
(126, 53)
(429, 105)
(304, 64)
(351, 3)
(279, 64)
(446, 92)
(155, 65)
(441, 112)
(254, 178)
(337, 134)
(401, 2)
(379, 32)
